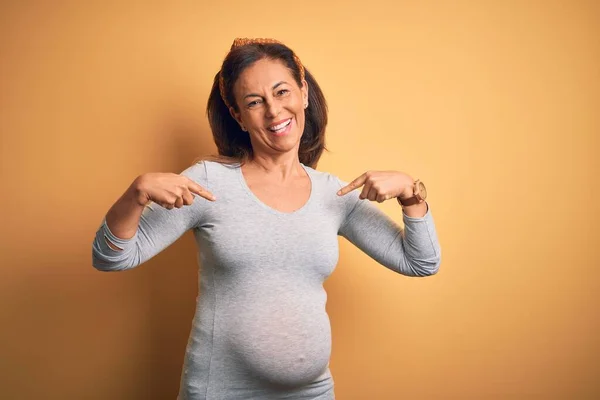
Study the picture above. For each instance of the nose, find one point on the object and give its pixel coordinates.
(273, 108)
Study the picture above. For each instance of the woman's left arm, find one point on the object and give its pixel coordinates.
(414, 251)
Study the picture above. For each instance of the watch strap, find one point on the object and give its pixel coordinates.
(411, 201)
(414, 199)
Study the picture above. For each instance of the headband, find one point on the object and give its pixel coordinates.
(238, 42)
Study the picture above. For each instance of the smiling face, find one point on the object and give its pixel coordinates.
(271, 107)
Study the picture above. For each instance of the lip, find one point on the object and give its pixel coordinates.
(286, 131)
(278, 122)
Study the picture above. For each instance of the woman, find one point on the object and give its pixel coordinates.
(266, 224)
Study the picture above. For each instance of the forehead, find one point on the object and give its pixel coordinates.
(262, 75)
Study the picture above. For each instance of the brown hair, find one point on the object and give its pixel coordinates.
(233, 144)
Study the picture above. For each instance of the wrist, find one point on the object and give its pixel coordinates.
(414, 194)
(407, 192)
(416, 211)
(136, 192)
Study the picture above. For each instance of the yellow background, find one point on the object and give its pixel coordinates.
(495, 105)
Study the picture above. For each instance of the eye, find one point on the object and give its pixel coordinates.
(282, 92)
(253, 103)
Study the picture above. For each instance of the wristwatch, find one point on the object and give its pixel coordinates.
(419, 195)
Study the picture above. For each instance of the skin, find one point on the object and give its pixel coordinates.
(266, 94)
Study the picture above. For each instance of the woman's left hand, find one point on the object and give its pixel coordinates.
(381, 185)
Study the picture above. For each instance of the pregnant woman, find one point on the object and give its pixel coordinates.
(266, 224)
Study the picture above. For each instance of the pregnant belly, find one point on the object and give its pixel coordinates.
(285, 341)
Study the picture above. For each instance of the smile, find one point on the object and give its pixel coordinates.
(280, 127)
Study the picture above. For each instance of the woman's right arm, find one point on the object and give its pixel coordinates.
(153, 212)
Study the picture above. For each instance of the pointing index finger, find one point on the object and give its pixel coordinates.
(358, 182)
(200, 191)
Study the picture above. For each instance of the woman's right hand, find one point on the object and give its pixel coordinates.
(168, 190)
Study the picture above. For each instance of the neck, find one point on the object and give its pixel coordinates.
(282, 166)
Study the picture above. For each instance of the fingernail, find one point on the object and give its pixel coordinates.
(339, 192)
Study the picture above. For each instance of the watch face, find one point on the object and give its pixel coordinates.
(422, 190)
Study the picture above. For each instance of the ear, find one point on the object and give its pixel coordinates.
(237, 116)
(304, 90)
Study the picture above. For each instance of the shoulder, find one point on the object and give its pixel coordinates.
(196, 172)
(205, 169)
(329, 184)
(212, 174)
(326, 178)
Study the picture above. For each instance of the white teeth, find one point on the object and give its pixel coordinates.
(280, 126)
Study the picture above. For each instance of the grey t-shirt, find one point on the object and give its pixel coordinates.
(261, 330)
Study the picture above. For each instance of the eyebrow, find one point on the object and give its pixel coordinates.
(258, 95)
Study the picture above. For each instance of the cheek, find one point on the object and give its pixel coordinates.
(253, 119)
(298, 107)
